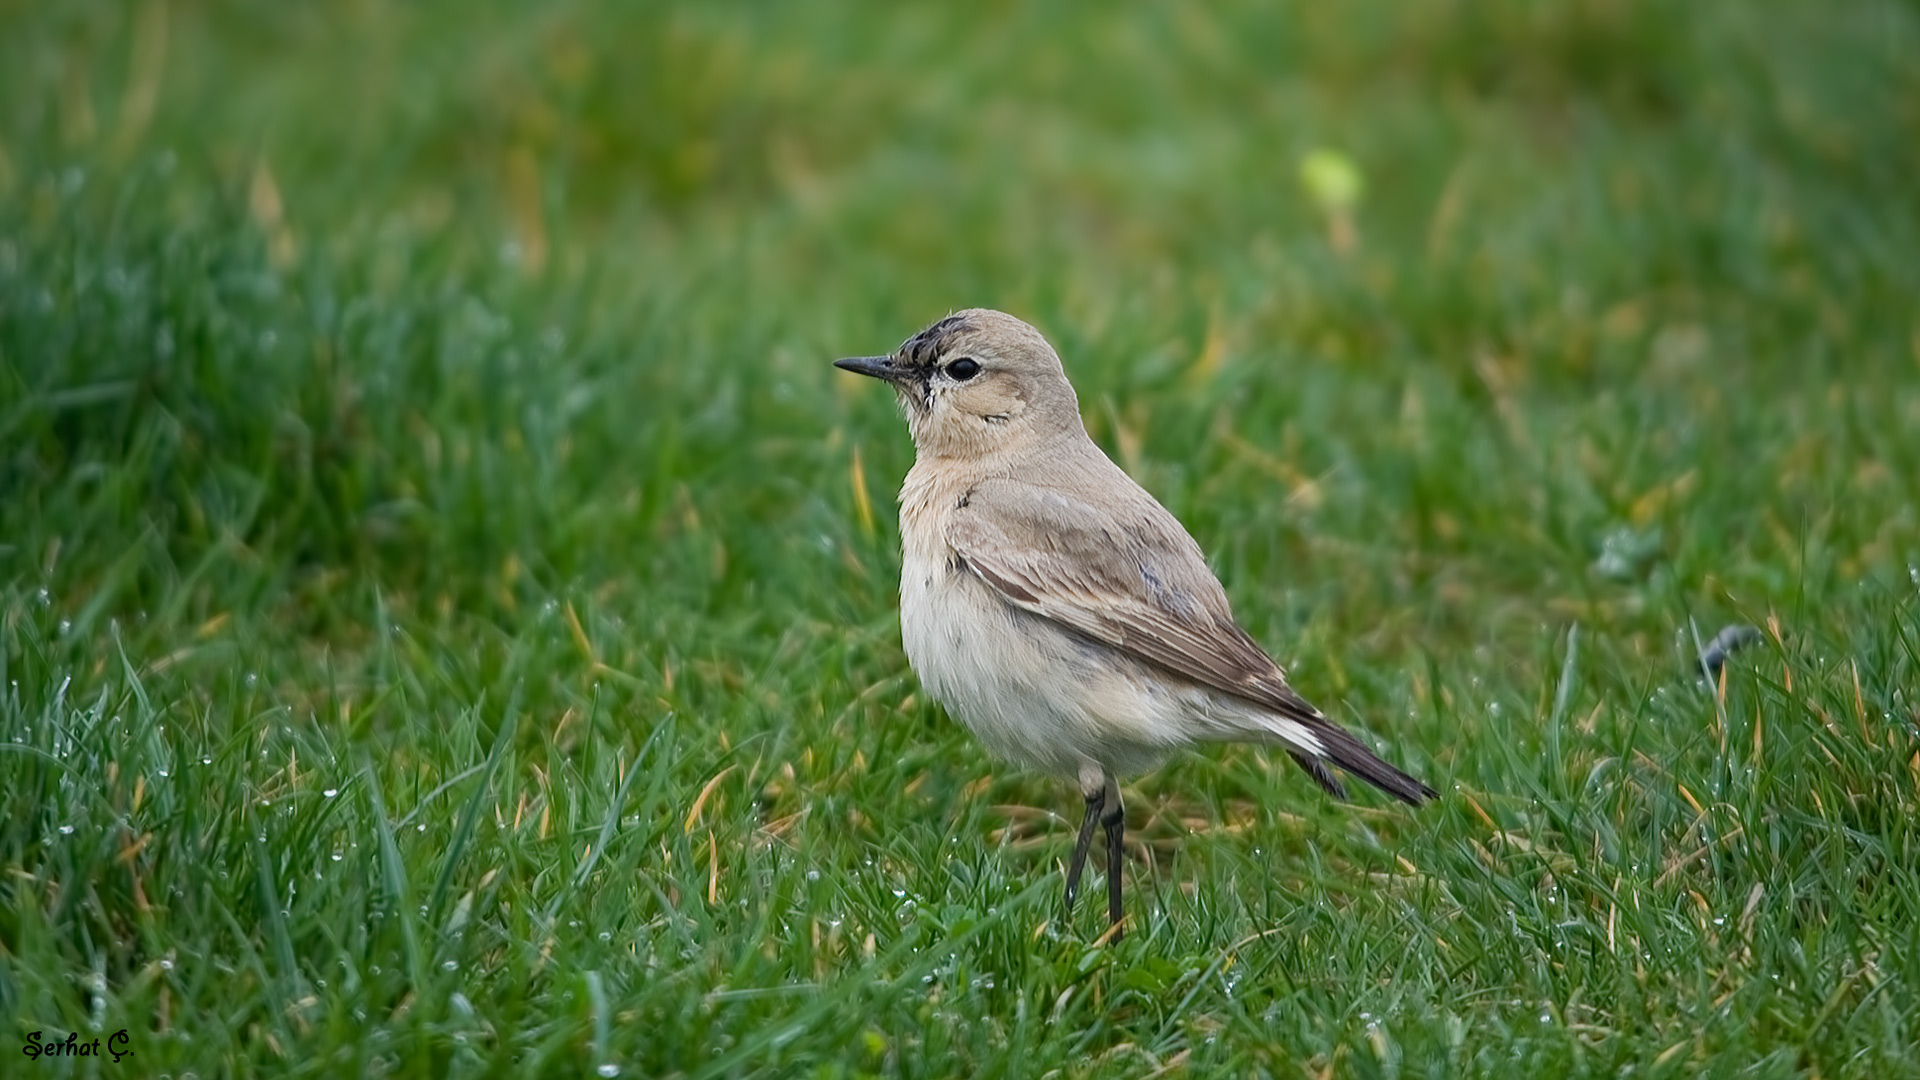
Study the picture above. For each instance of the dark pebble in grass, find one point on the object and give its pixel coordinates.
(1728, 641)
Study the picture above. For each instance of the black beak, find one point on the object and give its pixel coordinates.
(880, 367)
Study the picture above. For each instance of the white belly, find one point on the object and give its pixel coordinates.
(1034, 693)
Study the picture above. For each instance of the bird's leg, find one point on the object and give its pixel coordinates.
(1080, 846)
(1114, 817)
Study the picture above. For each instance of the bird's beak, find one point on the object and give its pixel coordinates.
(880, 367)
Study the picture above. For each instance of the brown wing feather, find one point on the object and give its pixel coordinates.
(1139, 583)
(1129, 584)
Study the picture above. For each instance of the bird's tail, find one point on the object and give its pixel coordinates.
(1352, 755)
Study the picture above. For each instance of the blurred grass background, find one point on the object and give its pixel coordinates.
(448, 598)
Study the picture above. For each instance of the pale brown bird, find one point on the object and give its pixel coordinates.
(1053, 606)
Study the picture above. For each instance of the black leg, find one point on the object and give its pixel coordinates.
(1115, 819)
(1080, 847)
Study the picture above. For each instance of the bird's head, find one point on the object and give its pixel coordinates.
(976, 383)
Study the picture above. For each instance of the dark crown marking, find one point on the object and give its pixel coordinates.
(927, 346)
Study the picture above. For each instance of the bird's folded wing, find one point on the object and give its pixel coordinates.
(1131, 577)
(1135, 581)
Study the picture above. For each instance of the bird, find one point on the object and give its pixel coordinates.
(1055, 608)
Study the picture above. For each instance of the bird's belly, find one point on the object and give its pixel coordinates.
(1034, 693)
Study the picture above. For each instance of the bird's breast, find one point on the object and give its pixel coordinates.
(1033, 693)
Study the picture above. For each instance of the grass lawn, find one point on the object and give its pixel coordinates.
(448, 616)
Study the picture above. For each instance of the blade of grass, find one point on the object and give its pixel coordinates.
(470, 815)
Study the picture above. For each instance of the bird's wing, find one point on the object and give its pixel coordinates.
(1133, 579)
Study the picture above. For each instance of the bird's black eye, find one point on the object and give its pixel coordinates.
(963, 369)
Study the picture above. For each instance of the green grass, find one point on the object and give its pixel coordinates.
(447, 598)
